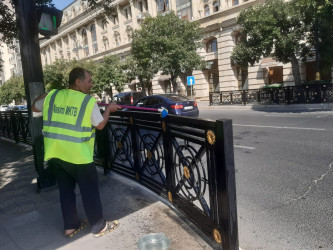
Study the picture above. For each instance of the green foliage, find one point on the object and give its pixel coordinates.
(270, 28)
(285, 30)
(168, 44)
(13, 89)
(111, 70)
(56, 74)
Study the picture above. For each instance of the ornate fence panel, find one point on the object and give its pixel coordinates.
(15, 125)
(188, 161)
(310, 93)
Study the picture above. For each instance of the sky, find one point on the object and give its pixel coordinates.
(60, 4)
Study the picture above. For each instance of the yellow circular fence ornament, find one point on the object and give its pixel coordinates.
(217, 236)
(210, 137)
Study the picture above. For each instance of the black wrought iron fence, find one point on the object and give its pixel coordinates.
(14, 125)
(312, 93)
(188, 161)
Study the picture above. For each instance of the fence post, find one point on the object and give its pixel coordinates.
(102, 144)
(210, 98)
(221, 101)
(168, 153)
(226, 185)
(135, 147)
(14, 126)
(244, 97)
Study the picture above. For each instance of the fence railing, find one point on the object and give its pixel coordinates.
(15, 125)
(187, 161)
(312, 93)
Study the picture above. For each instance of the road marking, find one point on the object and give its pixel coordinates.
(238, 146)
(278, 127)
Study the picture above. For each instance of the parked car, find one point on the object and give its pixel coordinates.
(128, 98)
(20, 108)
(4, 107)
(175, 104)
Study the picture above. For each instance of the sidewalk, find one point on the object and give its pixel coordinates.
(204, 105)
(32, 220)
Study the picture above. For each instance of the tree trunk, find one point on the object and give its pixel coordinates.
(174, 84)
(295, 68)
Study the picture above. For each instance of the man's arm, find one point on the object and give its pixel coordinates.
(33, 107)
(109, 109)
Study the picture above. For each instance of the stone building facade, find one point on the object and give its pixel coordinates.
(83, 34)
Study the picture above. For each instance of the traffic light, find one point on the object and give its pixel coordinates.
(49, 19)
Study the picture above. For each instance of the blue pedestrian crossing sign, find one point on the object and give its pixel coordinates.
(190, 80)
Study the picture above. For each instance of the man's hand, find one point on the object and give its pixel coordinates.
(33, 107)
(112, 107)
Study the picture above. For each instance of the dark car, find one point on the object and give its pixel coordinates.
(175, 104)
(128, 98)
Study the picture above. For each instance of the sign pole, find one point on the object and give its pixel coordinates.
(33, 83)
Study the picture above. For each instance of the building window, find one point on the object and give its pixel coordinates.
(235, 2)
(114, 19)
(127, 12)
(104, 24)
(184, 9)
(117, 39)
(105, 42)
(207, 13)
(275, 75)
(140, 6)
(211, 45)
(216, 6)
(94, 39)
(129, 31)
(73, 12)
(162, 6)
(85, 42)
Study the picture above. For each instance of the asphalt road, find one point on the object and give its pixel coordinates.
(284, 176)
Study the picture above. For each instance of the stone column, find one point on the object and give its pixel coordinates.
(195, 10)
(122, 27)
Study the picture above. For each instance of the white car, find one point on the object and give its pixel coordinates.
(3, 107)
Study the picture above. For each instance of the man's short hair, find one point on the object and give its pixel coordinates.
(77, 73)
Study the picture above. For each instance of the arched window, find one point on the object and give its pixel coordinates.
(105, 42)
(216, 6)
(162, 6)
(94, 39)
(117, 39)
(85, 42)
(211, 45)
(73, 12)
(207, 12)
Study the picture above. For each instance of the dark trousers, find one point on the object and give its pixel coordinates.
(85, 175)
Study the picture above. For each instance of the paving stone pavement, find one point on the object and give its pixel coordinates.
(32, 220)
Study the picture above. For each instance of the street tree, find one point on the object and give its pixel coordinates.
(12, 90)
(318, 16)
(110, 72)
(168, 45)
(271, 29)
(56, 74)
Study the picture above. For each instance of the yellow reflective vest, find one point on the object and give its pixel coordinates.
(68, 133)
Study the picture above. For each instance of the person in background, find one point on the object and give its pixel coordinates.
(70, 117)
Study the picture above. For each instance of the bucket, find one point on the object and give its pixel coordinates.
(155, 241)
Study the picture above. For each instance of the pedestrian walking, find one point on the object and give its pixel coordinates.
(70, 117)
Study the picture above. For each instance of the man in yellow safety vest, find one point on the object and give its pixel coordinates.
(70, 117)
